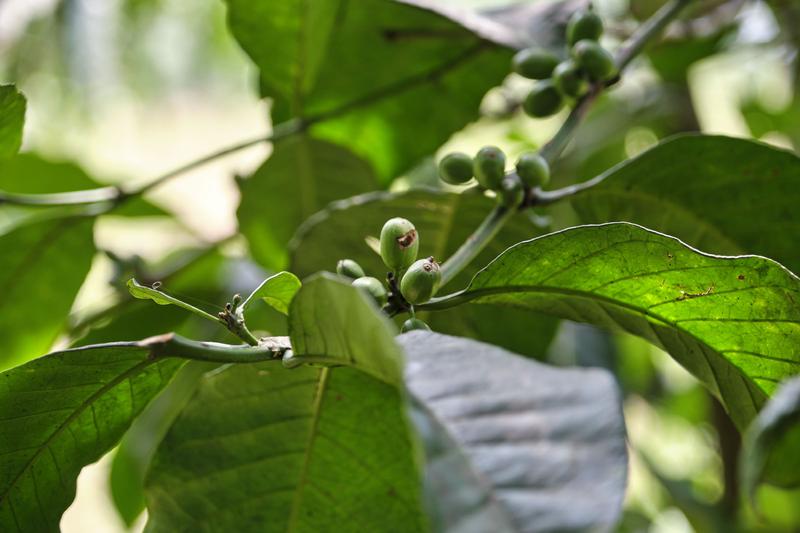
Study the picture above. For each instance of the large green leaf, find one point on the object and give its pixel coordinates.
(265, 448)
(333, 323)
(733, 322)
(12, 119)
(42, 266)
(136, 449)
(443, 222)
(392, 65)
(63, 411)
(769, 451)
(720, 194)
(514, 445)
(300, 177)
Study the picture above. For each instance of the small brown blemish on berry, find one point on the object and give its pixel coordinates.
(408, 239)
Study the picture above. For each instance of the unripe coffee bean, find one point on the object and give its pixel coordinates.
(421, 281)
(534, 63)
(595, 60)
(570, 80)
(584, 25)
(414, 324)
(456, 168)
(399, 243)
(533, 169)
(349, 268)
(374, 288)
(490, 167)
(543, 100)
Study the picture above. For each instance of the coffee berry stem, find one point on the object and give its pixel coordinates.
(233, 319)
(476, 242)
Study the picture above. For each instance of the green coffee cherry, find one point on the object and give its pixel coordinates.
(349, 268)
(399, 243)
(456, 168)
(584, 25)
(533, 169)
(420, 281)
(534, 63)
(374, 288)
(570, 80)
(414, 323)
(594, 59)
(490, 167)
(543, 100)
(512, 193)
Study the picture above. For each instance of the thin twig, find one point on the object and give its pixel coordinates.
(117, 196)
(475, 242)
(647, 31)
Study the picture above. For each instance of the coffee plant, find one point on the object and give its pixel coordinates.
(388, 373)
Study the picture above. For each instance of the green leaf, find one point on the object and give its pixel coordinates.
(162, 298)
(731, 321)
(376, 70)
(42, 266)
(62, 412)
(301, 176)
(133, 455)
(265, 448)
(769, 449)
(12, 120)
(443, 221)
(277, 291)
(339, 315)
(32, 174)
(752, 187)
(514, 445)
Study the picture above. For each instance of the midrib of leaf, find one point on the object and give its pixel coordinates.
(138, 367)
(706, 226)
(312, 437)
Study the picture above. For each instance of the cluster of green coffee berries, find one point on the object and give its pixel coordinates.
(570, 79)
(489, 168)
(419, 278)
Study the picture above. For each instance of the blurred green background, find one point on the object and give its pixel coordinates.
(128, 89)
